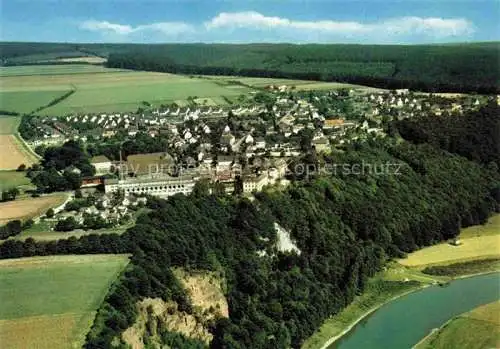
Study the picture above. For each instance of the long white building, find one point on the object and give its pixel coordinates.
(161, 187)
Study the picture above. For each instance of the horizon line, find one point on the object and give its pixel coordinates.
(250, 43)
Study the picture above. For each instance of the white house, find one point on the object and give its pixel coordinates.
(101, 163)
(260, 143)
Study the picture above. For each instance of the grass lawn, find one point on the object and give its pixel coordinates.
(9, 124)
(50, 302)
(477, 329)
(13, 179)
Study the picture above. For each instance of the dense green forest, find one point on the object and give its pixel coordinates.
(474, 135)
(346, 226)
(457, 67)
(430, 68)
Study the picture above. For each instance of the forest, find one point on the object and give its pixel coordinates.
(346, 225)
(457, 68)
(444, 68)
(474, 135)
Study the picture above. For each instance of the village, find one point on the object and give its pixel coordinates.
(239, 148)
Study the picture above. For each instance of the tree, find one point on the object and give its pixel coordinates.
(10, 229)
(9, 195)
(28, 224)
(21, 168)
(73, 180)
(50, 213)
(66, 224)
(201, 188)
(306, 136)
(218, 189)
(238, 185)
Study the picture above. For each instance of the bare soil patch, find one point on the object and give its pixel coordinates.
(28, 208)
(12, 153)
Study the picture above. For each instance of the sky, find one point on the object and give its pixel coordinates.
(240, 21)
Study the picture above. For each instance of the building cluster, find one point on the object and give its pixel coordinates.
(153, 174)
(111, 210)
(246, 145)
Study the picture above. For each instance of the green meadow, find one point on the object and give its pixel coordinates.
(477, 329)
(100, 89)
(50, 302)
(13, 179)
(59, 69)
(26, 101)
(9, 124)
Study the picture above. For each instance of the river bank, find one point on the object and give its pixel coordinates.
(389, 285)
(367, 303)
(365, 315)
(478, 328)
(363, 306)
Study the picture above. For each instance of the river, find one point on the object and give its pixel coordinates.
(403, 322)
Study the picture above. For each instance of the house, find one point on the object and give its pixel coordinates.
(321, 144)
(133, 131)
(254, 183)
(296, 128)
(101, 163)
(224, 163)
(333, 123)
(227, 139)
(260, 143)
(109, 133)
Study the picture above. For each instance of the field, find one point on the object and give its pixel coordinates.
(29, 70)
(25, 102)
(300, 85)
(492, 227)
(29, 207)
(14, 153)
(50, 302)
(471, 248)
(87, 59)
(99, 89)
(9, 124)
(477, 329)
(13, 179)
(476, 242)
